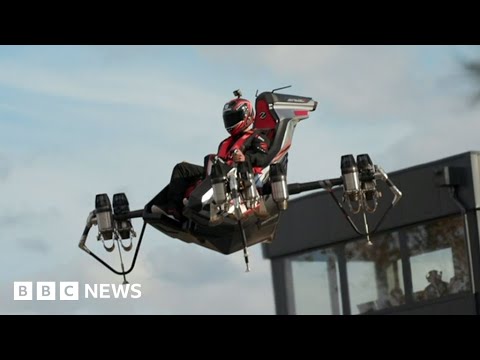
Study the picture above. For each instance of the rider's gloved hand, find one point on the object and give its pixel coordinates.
(238, 156)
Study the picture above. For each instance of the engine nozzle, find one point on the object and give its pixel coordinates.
(350, 177)
(368, 183)
(219, 183)
(279, 186)
(122, 207)
(247, 179)
(103, 212)
(365, 168)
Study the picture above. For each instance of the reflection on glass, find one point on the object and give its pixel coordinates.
(438, 258)
(316, 283)
(375, 279)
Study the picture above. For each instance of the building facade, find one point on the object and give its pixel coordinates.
(424, 258)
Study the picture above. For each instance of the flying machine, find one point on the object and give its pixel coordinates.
(233, 209)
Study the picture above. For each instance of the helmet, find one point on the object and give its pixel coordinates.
(434, 275)
(238, 115)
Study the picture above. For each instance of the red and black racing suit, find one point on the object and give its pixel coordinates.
(254, 147)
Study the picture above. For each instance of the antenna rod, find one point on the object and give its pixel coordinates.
(285, 87)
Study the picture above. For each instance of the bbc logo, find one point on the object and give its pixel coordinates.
(45, 290)
(70, 290)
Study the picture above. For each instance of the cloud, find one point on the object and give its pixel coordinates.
(447, 135)
(208, 283)
(5, 167)
(34, 244)
(189, 266)
(117, 85)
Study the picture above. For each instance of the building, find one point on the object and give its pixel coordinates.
(424, 258)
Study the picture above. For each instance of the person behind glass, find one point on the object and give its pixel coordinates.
(437, 286)
(244, 145)
(396, 296)
(459, 281)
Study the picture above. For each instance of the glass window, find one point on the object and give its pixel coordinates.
(375, 278)
(316, 283)
(438, 258)
(436, 252)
